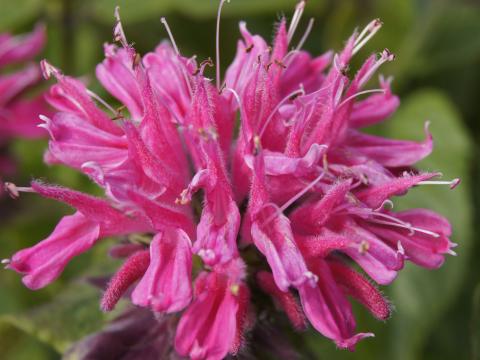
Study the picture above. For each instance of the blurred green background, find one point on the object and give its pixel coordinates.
(437, 75)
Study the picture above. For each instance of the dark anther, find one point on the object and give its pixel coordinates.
(280, 63)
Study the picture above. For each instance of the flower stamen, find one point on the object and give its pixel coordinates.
(361, 93)
(367, 33)
(293, 94)
(302, 192)
(163, 20)
(406, 226)
(217, 41)
(305, 34)
(452, 183)
(46, 125)
(103, 102)
(14, 190)
(118, 33)
(385, 56)
(297, 15)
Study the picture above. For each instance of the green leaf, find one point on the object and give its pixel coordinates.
(422, 296)
(72, 313)
(454, 40)
(16, 345)
(443, 35)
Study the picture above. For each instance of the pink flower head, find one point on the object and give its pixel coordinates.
(19, 113)
(19, 116)
(299, 197)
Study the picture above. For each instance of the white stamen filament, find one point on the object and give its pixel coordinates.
(101, 101)
(370, 30)
(46, 125)
(25, 189)
(163, 20)
(300, 91)
(305, 34)
(243, 115)
(297, 15)
(287, 59)
(217, 41)
(406, 226)
(118, 30)
(301, 193)
(384, 57)
(373, 216)
(6, 261)
(452, 183)
(359, 94)
(387, 202)
(388, 217)
(170, 35)
(14, 190)
(393, 221)
(279, 210)
(339, 93)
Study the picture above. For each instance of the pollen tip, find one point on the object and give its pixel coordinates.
(311, 278)
(257, 143)
(363, 247)
(455, 183)
(235, 289)
(116, 13)
(12, 190)
(388, 55)
(400, 248)
(44, 118)
(6, 261)
(48, 69)
(206, 254)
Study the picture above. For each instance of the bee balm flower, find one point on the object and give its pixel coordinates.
(301, 190)
(19, 114)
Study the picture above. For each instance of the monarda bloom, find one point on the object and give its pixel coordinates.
(18, 112)
(301, 189)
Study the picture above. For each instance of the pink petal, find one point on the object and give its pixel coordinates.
(166, 285)
(15, 49)
(207, 329)
(12, 85)
(311, 217)
(117, 75)
(423, 249)
(75, 141)
(375, 196)
(328, 309)
(70, 95)
(20, 118)
(390, 153)
(44, 262)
